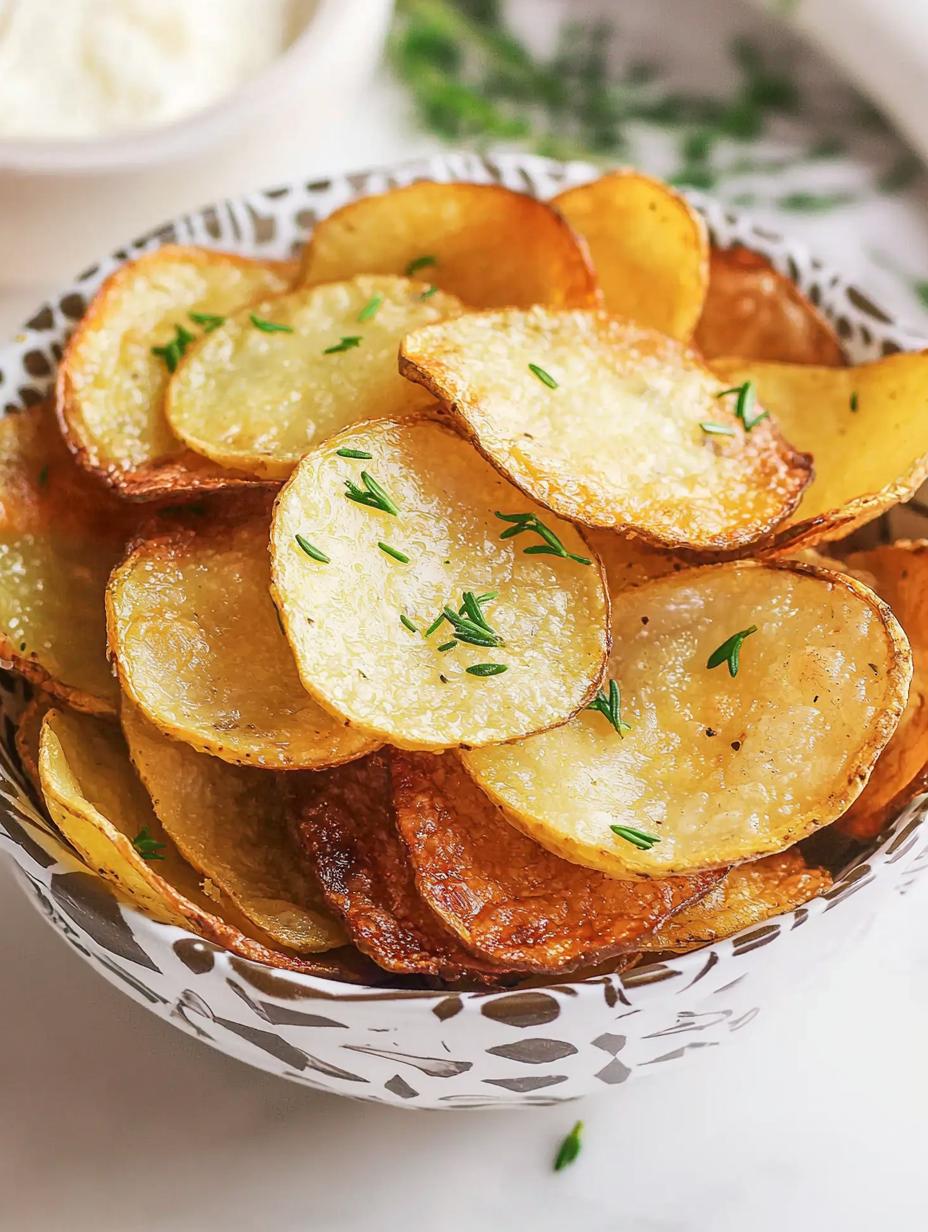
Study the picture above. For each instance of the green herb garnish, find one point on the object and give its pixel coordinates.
(569, 1149)
(371, 308)
(173, 352)
(311, 551)
(854, 404)
(347, 342)
(354, 453)
(429, 292)
(730, 651)
(746, 400)
(487, 669)
(207, 320)
(814, 203)
(469, 624)
(717, 429)
(545, 377)
(611, 708)
(394, 552)
(637, 838)
(446, 646)
(419, 263)
(407, 623)
(269, 327)
(372, 495)
(147, 847)
(552, 546)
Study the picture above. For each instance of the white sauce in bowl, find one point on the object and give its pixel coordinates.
(90, 68)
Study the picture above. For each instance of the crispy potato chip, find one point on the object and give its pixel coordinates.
(629, 562)
(610, 425)
(28, 733)
(506, 897)
(486, 244)
(714, 769)
(111, 381)
(649, 246)
(230, 823)
(200, 651)
(865, 427)
(60, 534)
(900, 577)
(754, 311)
(343, 820)
(256, 401)
(361, 591)
(750, 894)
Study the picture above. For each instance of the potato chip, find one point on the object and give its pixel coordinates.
(649, 247)
(629, 562)
(344, 822)
(230, 823)
(200, 651)
(255, 400)
(750, 894)
(28, 733)
(413, 611)
(486, 244)
(754, 311)
(60, 534)
(506, 897)
(610, 425)
(751, 701)
(112, 378)
(865, 427)
(899, 573)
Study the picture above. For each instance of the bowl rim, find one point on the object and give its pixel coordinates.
(879, 333)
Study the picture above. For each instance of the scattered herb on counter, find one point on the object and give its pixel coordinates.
(311, 551)
(611, 708)
(148, 847)
(371, 495)
(730, 651)
(552, 545)
(269, 327)
(569, 1149)
(345, 344)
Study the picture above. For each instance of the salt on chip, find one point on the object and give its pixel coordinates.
(611, 425)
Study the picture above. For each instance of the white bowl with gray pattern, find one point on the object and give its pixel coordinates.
(411, 1048)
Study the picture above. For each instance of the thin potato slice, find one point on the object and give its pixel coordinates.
(347, 616)
(230, 823)
(866, 428)
(716, 768)
(750, 894)
(629, 562)
(508, 898)
(200, 651)
(754, 311)
(256, 401)
(28, 734)
(344, 822)
(60, 534)
(111, 383)
(486, 244)
(649, 246)
(602, 421)
(900, 577)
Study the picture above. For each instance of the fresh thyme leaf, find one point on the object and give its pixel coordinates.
(446, 646)
(545, 377)
(311, 551)
(407, 623)
(730, 651)
(487, 669)
(551, 546)
(207, 320)
(173, 352)
(269, 327)
(354, 453)
(637, 838)
(419, 263)
(429, 292)
(569, 1149)
(717, 429)
(434, 625)
(746, 400)
(347, 342)
(371, 308)
(611, 708)
(371, 495)
(854, 401)
(394, 552)
(466, 630)
(147, 847)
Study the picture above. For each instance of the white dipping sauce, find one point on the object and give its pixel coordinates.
(88, 68)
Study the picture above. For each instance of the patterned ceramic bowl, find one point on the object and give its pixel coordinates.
(427, 1049)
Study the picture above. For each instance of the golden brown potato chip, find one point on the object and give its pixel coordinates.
(364, 569)
(900, 577)
(60, 534)
(344, 822)
(484, 243)
(28, 733)
(629, 562)
(115, 369)
(200, 650)
(230, 823)
(610, 425)
(506, 897)
(256, 400)
(750, 894)
(649, 247)
(865, 427)
(754, 311)
(714, 768)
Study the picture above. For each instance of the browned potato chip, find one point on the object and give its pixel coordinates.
(230, 823)
(200, 651)
(344, 822)
(363, 575)
(649, 247)
(60, 534)
(610, 425)
(757, 697)
(506, 897)
(486, 244)
(115, 369)
(256, 401)
(899, 573)
(629, 562)
(28, 733)
(865, 427)
(750, 894)
(754, 311)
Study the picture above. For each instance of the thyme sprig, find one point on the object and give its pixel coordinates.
(372, 495)
(148, 847)
(730, 651)
(551, 546)
(611, 708)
